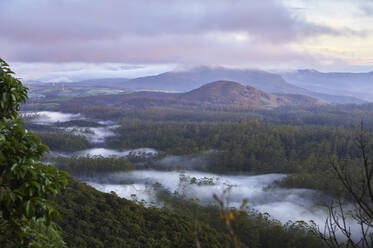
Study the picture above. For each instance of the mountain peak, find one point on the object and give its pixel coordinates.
(232, 93)
(308, 71)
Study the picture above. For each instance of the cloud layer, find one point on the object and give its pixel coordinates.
(143, 31)
(270, 34)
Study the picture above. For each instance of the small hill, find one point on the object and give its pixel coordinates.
(219, 93)
(232, 93)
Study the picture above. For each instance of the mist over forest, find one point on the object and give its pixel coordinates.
(268, 151)
(177, 124)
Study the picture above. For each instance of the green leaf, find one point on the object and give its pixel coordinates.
(28, 204)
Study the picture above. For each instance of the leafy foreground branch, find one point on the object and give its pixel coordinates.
(25, 183)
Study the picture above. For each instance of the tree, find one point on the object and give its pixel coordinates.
(25, 183)
(357, 180)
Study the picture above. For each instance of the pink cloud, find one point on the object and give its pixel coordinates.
(145, 31)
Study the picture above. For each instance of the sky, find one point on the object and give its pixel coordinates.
(70, 40)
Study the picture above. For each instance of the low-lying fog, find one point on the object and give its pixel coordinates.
(49, 117)
(104, 152)
(95, 135)
(110, 152)
(282, 204)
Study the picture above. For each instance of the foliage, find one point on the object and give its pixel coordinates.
(96, 219)
(79, 123)
(250, 146)
(299, 140)
(12, 93)
(64, 141)
(111, 107)
(91, 166)
(25, 183)
(244, 146)
(95, 111)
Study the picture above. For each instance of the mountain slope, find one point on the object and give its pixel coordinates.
(194, 78)
(220, 93)
(296, 99)
(336, 83)
(94, 219)
(228, 92)
(102, 82)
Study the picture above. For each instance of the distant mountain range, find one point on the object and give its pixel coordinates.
(337, 83)
(301, 82)
(219, 93)
(262, 80)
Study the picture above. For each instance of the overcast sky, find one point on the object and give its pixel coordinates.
(67, 40)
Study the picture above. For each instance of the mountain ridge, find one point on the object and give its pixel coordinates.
(183, 81)
(337, 83)
(220, 93)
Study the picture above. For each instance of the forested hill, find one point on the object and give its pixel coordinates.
(228, 92)
(219, 93)
(90, 218)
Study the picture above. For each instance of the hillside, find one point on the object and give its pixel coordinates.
(302, 83)
(191, 79)
(336, 83)
(232, 93)
(94, 219)
(101, 82)
(296, 99)
(194, 78)
(219, 93)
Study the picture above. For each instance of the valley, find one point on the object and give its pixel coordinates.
(232, 142)
(221, 148)
(140, 183)
(186, 124)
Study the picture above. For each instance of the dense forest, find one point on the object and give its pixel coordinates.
(346, 115)
(92, 166)
(303, 151)
(302, 142)
(186, 124)
(230, 142)
(93, 219)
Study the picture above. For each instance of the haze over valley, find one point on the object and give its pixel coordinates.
(154, 142)
(201, 123)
